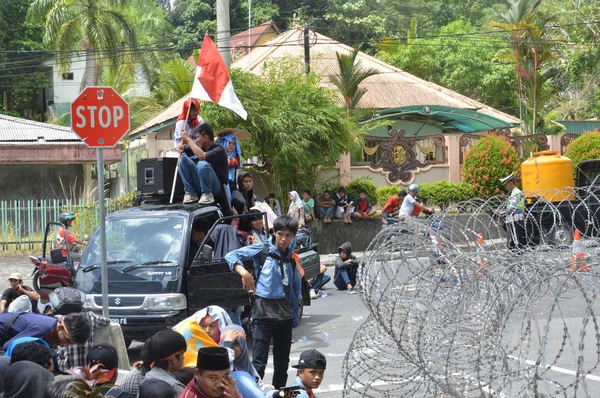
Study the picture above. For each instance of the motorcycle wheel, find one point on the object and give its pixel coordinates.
(35, 282)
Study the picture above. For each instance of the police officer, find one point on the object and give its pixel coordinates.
(515, 214)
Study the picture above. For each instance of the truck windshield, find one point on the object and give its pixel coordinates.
(142, 255)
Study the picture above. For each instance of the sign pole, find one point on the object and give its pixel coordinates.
(100, 168)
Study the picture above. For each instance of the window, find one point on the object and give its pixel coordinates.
(67, 76)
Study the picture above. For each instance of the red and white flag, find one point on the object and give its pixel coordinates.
(212, 82)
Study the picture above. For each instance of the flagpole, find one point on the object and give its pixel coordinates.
(181, 154)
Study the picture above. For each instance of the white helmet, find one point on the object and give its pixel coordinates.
(413, 187)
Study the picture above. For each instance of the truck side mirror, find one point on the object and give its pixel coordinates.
(206, 253)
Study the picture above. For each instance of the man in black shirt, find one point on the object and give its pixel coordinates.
(211, 171)
(17, 289)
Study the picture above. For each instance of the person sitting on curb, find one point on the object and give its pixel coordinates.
(206, 170)
(363, 209)
(70, 329)
(344, 206)
(326, 207)
(346, 268)
(16, 290)
(212, 376)
(311, 371)
(309, 205)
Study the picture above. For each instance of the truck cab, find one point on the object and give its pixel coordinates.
(157, 275)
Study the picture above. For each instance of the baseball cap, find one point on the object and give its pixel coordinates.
(311, 359)
(15, 275)
(104, 355)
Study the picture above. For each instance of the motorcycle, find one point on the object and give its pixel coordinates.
(53, 270)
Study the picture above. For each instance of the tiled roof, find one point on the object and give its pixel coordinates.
(16, 130)
(255, 34)
(391, 88)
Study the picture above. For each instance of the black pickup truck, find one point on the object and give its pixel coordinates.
(554, 222)
(155, 277)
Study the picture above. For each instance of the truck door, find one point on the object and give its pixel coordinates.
(209, 279)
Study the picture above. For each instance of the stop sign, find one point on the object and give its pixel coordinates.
(100, 117)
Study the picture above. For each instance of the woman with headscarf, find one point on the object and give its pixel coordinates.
(203, 329)
(234, 155)
(248, 382)
(296, 209)
(187, 121)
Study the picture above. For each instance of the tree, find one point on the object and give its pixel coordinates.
(296, 125)
(22, 76)
(500, 159)
(99, 27)
(350, 77)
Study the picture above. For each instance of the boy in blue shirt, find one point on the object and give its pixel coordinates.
(276, 286)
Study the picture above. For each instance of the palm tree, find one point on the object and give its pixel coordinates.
(99, 27)
(176, 80)
(349, 79)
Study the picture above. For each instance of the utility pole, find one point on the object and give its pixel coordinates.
(306, 48)
(223, 42)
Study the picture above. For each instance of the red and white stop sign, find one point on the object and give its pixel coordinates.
(100, 117)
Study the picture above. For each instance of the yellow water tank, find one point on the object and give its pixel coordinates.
(548, 175)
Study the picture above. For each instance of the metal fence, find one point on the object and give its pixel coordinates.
(23, 222)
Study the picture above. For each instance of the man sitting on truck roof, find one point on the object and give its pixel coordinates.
(205, 169)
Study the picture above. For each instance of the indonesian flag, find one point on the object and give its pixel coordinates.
(212, 82)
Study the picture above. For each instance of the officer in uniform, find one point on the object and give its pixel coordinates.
(514, 214)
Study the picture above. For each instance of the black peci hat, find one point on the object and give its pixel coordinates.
(212, 358)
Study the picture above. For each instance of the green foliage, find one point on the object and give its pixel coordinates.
(21, 79)
(490, 159)
(384, 193)
(365, 183)
(444, 193)
(457, 60)
(586, 147)
(297, 128)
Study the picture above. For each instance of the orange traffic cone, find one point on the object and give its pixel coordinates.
(480, 260)
(578, 262)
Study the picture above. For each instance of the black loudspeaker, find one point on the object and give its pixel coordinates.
(155, 177)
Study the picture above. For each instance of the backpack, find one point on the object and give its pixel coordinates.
(66, 300)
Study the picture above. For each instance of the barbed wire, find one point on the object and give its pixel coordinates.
(454, 317)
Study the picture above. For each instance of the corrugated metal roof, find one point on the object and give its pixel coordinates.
(579, 126)
(392, 88)
(13, 129)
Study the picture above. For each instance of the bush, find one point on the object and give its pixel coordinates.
(444, 193)
(490, 159)
(586, 147)
(384, 193)
(362, 183)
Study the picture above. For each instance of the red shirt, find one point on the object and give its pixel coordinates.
(60, 240)
(391, 204)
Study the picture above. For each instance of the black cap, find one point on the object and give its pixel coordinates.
(105, 354)
(311, 359)
(213, 358)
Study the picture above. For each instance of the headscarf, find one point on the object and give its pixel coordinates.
(26, 379)
(237, 151)
(216, 314)
(243, 361)
(297, 201)
(184, 111)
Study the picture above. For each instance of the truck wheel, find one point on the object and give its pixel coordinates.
(561, 235)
